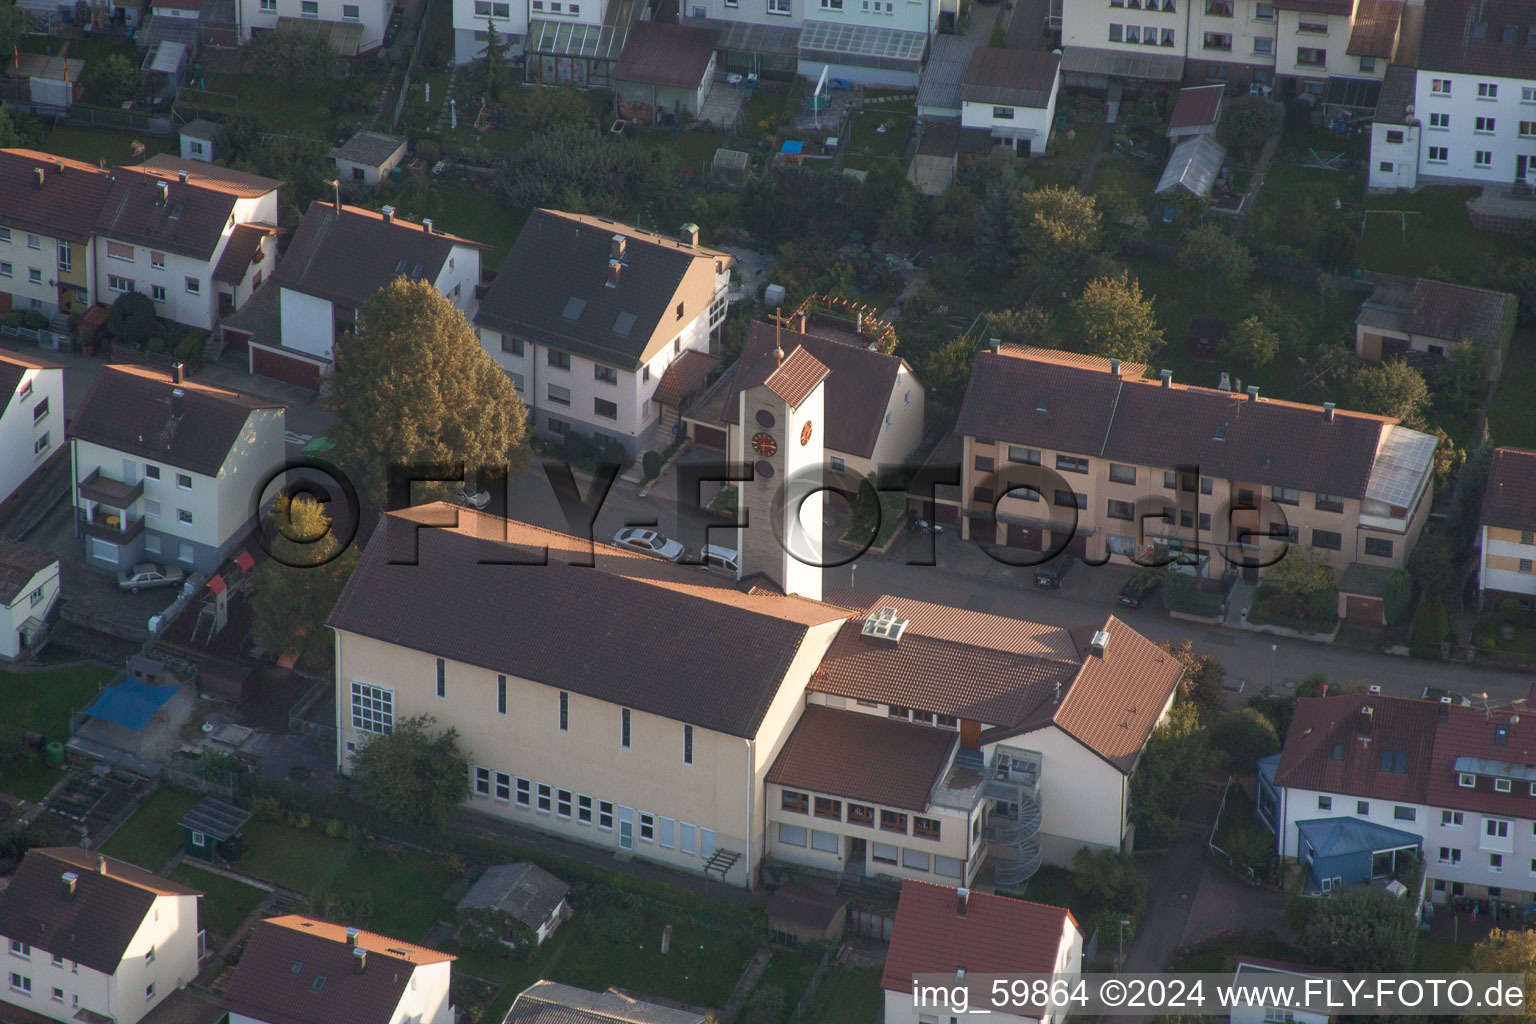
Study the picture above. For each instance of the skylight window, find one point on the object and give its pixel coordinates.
(573, 308)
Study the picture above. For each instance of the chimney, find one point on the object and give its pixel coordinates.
(351, 936)
(181, 176)
(336, 184)
(804, 318)
(1328, 408)
(614, 267)
(1167, 378)
(996, 344)
(59, 166)
(689, 235)
(1366, 714)
(1114, 367)
(963, 897)
(178, 373)
(1253, 394)
(101, 864)
(616, 247)
(389, 214)
(359, 959)
(1444, 712)
(426, 225)
(176, 396)
(1056, 696)
(70, 880)
(164, 191)
(37, 178)
(1099, 644)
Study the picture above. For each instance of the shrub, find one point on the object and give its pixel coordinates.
(266, 808)
(156, 345)
(34, 320)
(336, 828)
(15, 318)
(1431, 626)
(190, 348)
(1245, 736)
(616, 455)
(1509, 610)
(131, 318)
(579, 448)
(652, 463)
(301, 821)
(1397, 591)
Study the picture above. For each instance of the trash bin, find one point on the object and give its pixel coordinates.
(54, 752)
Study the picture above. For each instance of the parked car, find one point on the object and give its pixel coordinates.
(721, 559)
(1052, 573)
(1138, 590)
(148, 574)
(649, 542)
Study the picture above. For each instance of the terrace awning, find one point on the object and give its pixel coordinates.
(130, 704)
(866, 46)
(573, 39)
(346, 38)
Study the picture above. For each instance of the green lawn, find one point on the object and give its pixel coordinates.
(150, 837)
(790, 972)
(30, 779)
(1220, 957)
(282, 109)
(92, 145)
(867, 138)
(1438, 236)
(407, 889)
(846, 997)
(1523, 646)
(1436, 956)
(693, 150)
(1512, 417)
(42, 701)
(297, 859)
(226, 903)
(1125, 175)
(476, 213)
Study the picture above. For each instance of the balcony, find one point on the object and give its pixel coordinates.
(114, 527)
(107, 491)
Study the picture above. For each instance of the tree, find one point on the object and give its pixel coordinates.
(417, 388)
(1115, 321)
(1108, 880)
(1175, 760)
(413, 775)
(1203, 676)
(297, 587)
(10, 138)
(304, 60)
(1396, 593)
(1245, 736)
(1391, 389)
(132, 318)
(1431, 627)
(1252, 343)
(13, 24)
(1213, 254)
(1060, 230)
(948, 369)
(1505, 952)
(1031, 326)
(111, 82)
(1433, 563)
(491, 69)
(1361, 930)
(1246, 124)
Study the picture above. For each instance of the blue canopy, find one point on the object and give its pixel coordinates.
(1333, 837)
(130, 703)
(792, 147)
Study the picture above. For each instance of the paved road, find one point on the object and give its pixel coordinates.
(967, 577)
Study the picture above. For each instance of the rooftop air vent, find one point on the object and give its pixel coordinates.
(1374, 689)
(1042, 404)
(886, 625)
(1100, 643)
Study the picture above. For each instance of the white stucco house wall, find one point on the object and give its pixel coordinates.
(1011, 95)
(32, 418)
(29, 589)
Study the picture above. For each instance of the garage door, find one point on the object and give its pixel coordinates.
(1028, 538)
(984, 530)
(284, 368)
(1365, 611)
(1078, 545)
(709, 437)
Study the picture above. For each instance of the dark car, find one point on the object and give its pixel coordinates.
(1138, 590)
(1052, 573)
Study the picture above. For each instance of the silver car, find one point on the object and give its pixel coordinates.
(649, 542)
(148, 574)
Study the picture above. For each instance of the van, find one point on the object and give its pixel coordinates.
(719, 559)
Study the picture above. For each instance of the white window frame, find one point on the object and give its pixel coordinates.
(380, 711)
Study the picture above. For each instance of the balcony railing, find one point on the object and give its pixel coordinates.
(107, 491)
(111, 526)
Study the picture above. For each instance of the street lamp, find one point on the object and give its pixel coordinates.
(1272, 649)
(1121, 967)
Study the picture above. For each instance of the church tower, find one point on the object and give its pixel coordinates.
(781, 417)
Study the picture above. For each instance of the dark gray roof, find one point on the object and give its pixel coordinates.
(1397, 89)
(216, 818)
(181, 217)
(546, 1002)
(525, 891)
(368, 148)
(19, 563)
(1493, 38)
(559, 266)
(1015, 78)
(199, 128)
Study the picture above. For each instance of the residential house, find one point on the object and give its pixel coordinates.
(1255, 974)
(521, 892)
(1456, 778)
(1395, 132)
(367, 158)
(1475, 93)
(340, 257)
(1432, 317)
(665, 70)
(93, 938)
(352, 27)
(874, 414)
(1078, 452)
(167, 469)
(943, 934)
(587, 316)
(200, 140)
(1506, 567)
(48, 208)
(29, 588)
(31, 418)
(193, 237)
(546, 1002)
(1011, 95)
(300, 970)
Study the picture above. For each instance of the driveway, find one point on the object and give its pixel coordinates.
(90, 591)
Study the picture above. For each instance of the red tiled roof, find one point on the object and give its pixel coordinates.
(1473, 732)
(1374, 33)
(1325, 726)
(997, 935)
(667, 56)
(1509, 499)
(19, 563)
(1467, 36)
(863, 757)
(276, 979)
(796, 377)
(65, 206)
(683, 375)
(1458, 313)
(220, 179)
(1116, 700)
(1196, 106)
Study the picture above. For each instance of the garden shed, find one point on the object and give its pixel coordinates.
(666, 68)
(213, 830)
(523, 893)
(51, 81)
(1193, 167)
(797, 914)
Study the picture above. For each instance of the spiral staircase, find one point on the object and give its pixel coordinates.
(1013, 780)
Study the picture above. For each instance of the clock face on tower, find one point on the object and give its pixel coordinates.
(764, 444)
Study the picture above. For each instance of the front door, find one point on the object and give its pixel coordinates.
(626, 828)
(130, 472)
(855, 854)
(1520, 166)
(970, 736)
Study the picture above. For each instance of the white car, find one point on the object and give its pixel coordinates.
(720, 559)
(148, 574)
(649, 542)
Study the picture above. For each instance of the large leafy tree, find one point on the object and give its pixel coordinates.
(1252, 342)
(415, 388)
(12, 25)
(296, 588)
(1215, 256)
(413, 774)
(1116, 321)
(1175, 760)
(1061, 232)
(132, 318)
(1392, 389)
(1362, 930)
(1506, 952)
(1246, 124)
